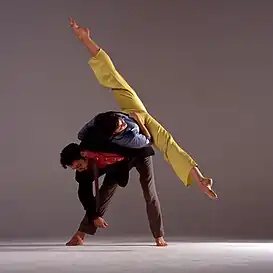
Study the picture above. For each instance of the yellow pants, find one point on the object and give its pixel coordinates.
(126, 97)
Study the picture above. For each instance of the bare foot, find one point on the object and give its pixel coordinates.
(206, 187)
(204, 182)
(160, 242)
(77, 239)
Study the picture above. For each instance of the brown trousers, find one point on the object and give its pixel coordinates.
(144, 167)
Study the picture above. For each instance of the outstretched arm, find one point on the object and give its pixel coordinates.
(88, 201)
(86, 197)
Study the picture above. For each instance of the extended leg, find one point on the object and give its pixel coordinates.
(109, 77)
(180, 161)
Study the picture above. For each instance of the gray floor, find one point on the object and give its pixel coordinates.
(116, 255)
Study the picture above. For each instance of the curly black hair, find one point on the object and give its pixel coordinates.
(70, 153)
(106, 124)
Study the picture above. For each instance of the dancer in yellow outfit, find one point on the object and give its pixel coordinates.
(107, 75)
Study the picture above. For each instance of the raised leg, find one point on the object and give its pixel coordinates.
(110, 78)
(182, 163)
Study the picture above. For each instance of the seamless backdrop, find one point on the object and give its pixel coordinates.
(203, 69)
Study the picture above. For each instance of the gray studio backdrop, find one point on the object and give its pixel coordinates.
(203, 69)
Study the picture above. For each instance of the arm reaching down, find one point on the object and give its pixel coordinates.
(86, 196)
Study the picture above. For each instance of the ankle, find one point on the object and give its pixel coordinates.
(80, 234)
(160, 241)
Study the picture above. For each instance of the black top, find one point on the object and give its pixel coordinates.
(119, 171)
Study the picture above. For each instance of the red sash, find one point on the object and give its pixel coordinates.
(104, 159)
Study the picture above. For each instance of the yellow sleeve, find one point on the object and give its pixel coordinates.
(106, 73)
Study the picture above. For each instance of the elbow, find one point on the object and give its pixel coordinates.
(149, 141)
(143, 145)
(146, 143)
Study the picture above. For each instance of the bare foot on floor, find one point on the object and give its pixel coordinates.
(76, 240)
(160, 242)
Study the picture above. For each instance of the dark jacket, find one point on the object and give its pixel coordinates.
(118, 171)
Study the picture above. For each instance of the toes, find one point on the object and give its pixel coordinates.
(74, 242)
(212, 194)
(161, 243)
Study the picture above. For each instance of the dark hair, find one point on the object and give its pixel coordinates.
(106, 124)
(70, 153)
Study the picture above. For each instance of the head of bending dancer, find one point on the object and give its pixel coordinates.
(75, 157)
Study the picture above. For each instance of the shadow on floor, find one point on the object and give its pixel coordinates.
(70, 249)
(63, 245)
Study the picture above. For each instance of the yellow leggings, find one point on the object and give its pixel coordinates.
(128, 101)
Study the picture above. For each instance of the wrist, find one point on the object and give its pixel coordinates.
(96, 218)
